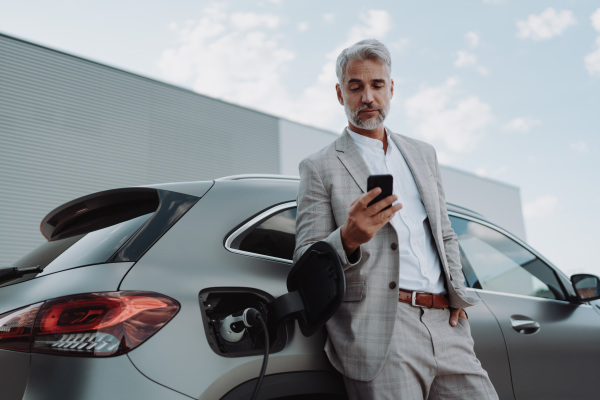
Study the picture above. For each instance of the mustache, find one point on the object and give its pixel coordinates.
(369, 107)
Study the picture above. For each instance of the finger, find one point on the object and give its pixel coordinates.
(359, 199)
(362, 202)
(394, 209)
(381, 204)
(366, 198)
(386, 216)
(454, 316)
(463, 315)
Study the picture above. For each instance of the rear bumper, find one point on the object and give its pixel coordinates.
(25, 376)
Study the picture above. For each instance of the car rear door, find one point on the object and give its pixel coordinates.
(553, 343)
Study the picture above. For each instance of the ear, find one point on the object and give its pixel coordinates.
(338, 90)
(392, 88)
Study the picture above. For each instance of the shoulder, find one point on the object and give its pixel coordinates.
(412, 143)
(322, 155)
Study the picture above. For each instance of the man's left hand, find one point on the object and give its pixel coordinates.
(455, 314)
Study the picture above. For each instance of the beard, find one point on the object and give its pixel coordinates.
(368, 124)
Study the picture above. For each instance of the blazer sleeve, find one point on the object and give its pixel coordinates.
(315, 220)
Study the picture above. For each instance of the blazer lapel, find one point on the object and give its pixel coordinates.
(353, 161)
(420, 172)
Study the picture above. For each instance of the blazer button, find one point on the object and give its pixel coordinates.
(394, 246)
(392, 285)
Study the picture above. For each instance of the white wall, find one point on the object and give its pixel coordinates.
(297, 141)
(498, 201)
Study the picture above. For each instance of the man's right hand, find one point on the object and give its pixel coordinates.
(364, 222)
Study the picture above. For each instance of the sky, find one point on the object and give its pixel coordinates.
(505, 89)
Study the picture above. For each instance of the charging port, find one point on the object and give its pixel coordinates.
(217, 304)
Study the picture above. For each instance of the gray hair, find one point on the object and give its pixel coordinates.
(368, 49)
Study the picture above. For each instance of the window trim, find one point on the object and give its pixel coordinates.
(524, 296)
(252, 223)
(560, 275)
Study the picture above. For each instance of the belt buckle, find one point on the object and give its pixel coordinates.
(413, 299)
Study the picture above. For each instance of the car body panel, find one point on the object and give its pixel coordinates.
(200, 256)
(69, 378)
(558, 361)
(490, 347)
(14, 373)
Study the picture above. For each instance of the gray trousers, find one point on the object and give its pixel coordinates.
(428, 359)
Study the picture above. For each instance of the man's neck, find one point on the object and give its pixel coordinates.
(377, 133)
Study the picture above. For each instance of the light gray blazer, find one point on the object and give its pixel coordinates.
(361, 330)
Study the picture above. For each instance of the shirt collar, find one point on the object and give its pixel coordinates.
(367, 141)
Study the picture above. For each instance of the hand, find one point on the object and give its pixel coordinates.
(364, 222)
(455, 314)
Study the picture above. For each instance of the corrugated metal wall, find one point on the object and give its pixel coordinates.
(69, 127)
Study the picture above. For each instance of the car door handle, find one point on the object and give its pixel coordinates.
(524, 325)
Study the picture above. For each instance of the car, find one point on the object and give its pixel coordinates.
(147, 293)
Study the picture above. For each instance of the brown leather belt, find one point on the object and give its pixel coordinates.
(421, 299)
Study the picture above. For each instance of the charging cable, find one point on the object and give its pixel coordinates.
(232, 329)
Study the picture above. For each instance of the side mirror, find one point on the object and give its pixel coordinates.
(316, 286)
(586, 286)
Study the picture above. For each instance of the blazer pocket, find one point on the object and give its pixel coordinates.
(355, 291)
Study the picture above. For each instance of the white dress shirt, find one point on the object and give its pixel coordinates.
(420, 267)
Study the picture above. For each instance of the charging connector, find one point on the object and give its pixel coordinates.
(233, 326)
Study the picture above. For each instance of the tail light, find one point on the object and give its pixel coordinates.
(92, 325)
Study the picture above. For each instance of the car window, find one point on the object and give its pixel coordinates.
(84, 249)
(500, 264)
(272, 234)
(117, 225)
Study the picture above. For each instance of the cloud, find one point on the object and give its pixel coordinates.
(237, 57)
(243, 58)
(522, 125)
(580, 146)
(494, 1)
(250, 20)
(376, 24)
(439, 114)
(541, 207)
(465, 59)
(596, 20)
(303, 26)
(547, 25)
(592, 60)
(329, 18)
(472, 39)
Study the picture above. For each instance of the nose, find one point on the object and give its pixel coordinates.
(367, 96)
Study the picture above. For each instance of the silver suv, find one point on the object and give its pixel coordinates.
(142, 293)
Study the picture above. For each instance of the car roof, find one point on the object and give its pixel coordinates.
(200, 187)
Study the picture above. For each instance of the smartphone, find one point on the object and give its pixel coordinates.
(385, 182)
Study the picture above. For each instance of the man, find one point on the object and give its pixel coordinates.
(401, 332)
